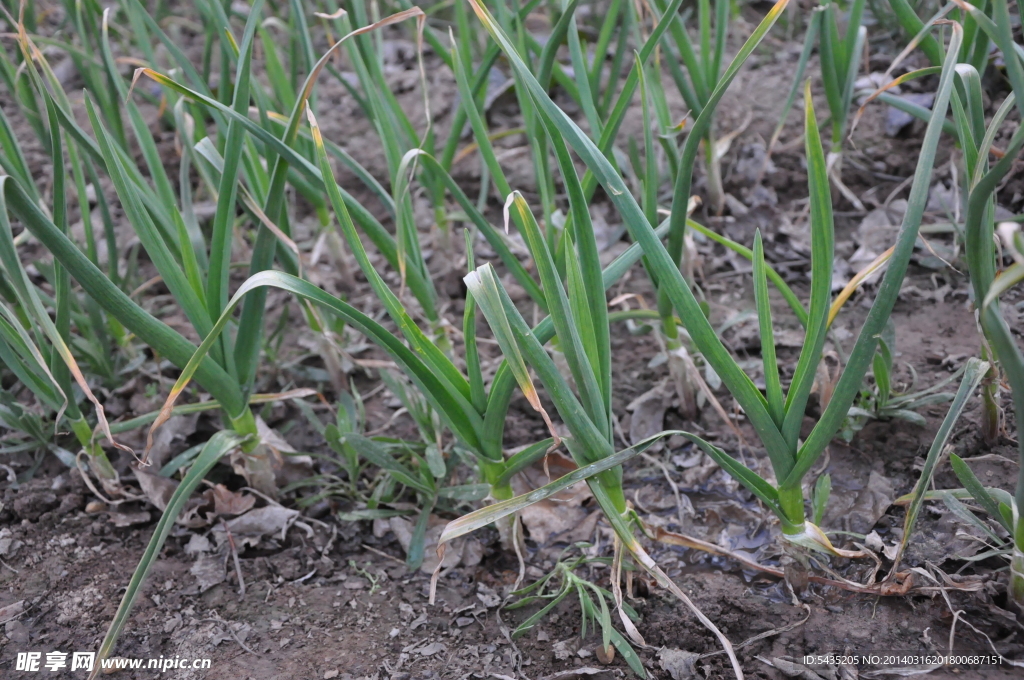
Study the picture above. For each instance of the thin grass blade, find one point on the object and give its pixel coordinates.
(219, 445)
(973, 375)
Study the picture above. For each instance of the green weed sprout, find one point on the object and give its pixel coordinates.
(881, 400)
(973, 373)
(563, 581)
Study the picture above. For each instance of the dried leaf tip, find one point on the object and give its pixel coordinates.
(139, 72)
(508, 204)
(310, 117)
(335, 15)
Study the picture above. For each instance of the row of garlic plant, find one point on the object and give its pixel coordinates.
(566, 261)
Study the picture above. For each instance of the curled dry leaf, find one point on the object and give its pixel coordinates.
(127, 518)
(251, 527)
(877, 231)
(158, 489)
(898, 585)
(197, 543)
(11, 611)
(462, 551)
(649, 412)
(678, 663)
(176, 429)
(208, 570)
(201, 510)
(260, 466)
(559, 514)
(697, 468)
(896, 119)
(860, 507)
(431, 649)
(875, 542)
(287, 468)
(255, 466)
(9, 545)
(227, 502)
(488, 596)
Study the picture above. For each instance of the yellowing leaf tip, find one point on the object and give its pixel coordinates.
(508, 204)
(335, 15)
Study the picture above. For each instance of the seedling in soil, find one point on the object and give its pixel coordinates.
(880, 400)
(565, 580)
(973, 371)
(703, 92)
(374, 579)
(219, 445)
